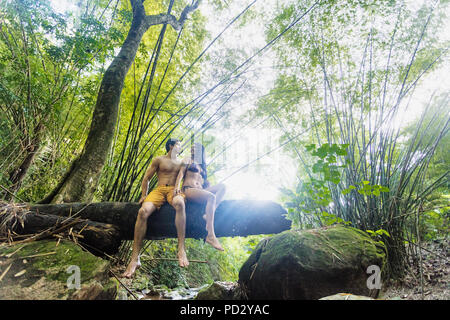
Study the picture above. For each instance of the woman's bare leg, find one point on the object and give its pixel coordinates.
(219, 190)
(200, 195)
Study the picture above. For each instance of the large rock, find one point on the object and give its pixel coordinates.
(45, 270)
(312, 264)
(220, 290)
(346, 296)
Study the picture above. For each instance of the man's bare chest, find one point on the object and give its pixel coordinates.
(169, 166)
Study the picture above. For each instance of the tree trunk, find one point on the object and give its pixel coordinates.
(80, 183)
(232, 218)
(17, 175)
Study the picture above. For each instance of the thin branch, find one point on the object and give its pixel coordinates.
(123, 285)
(152, 20)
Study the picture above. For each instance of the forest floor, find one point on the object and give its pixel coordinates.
(436, 276)
(435, 270)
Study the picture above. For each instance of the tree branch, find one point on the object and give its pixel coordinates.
(152, 20)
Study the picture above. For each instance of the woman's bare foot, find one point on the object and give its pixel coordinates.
(212, 240)
(182, 258)
(131, 268)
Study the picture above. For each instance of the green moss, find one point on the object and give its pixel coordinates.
(54, 265)
(46, 276)
(325, 249)
(110, 289)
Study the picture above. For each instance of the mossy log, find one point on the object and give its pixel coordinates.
(232, 218)
(97, 237)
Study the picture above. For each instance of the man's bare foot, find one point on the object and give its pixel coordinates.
(212, 240)
(131, 268)
(182, 259)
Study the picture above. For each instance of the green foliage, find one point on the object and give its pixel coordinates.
(435, 224)
(310, 203)
(50, 64)
(367, 189)
(155, 105)
(220, 266)
(378, 235)
(379, 232)
(327, 166)
(351, 67)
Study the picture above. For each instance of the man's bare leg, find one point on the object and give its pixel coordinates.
(140, 229)
(180, 224)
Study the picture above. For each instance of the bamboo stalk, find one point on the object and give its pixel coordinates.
(420, 252)
(5, 272)
(123, 285)
(173, 259)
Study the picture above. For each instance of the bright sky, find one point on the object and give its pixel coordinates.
(261, 179)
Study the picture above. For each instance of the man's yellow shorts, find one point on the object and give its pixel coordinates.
(161, 194)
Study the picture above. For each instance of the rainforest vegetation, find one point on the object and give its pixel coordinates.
(341, 107)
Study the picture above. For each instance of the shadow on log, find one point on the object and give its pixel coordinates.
(232, 218)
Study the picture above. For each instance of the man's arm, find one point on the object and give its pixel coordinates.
(180, 176)
(147, 176)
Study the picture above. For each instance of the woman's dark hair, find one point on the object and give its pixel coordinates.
(170, 142)
(200, 160)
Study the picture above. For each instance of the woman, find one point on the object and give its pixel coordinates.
(196, 188)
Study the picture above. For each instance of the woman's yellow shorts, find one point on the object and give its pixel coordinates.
(161, 194)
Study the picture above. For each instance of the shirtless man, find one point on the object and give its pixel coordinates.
(196, 188)
(166, 168)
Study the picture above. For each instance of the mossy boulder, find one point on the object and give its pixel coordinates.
(220, 290)
(311, 264)
(47, 270)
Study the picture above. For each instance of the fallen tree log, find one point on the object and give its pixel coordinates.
(97, 237)
(232, 217)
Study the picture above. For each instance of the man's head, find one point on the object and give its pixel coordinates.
(174, 145)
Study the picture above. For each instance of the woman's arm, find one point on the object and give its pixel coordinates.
(206, 183)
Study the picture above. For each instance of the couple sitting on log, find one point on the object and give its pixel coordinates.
(170, 171)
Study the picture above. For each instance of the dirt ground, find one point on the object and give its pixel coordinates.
(435, 271)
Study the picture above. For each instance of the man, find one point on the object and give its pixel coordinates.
(166, 168)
